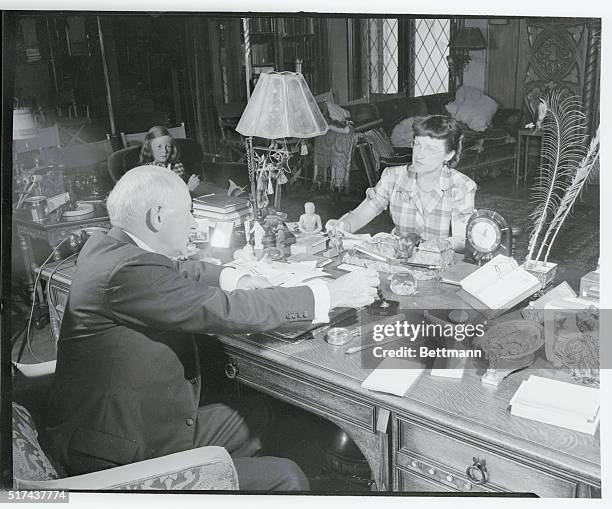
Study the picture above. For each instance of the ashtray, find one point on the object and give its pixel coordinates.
(338, 336)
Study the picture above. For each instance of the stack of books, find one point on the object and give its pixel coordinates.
(220, 208)
(558, 403)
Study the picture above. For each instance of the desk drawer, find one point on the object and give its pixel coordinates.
(445, 460)
(315, 396)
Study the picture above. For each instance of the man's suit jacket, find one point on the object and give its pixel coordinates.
(127, 384)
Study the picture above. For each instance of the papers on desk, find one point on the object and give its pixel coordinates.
(279, 274)
(393, 376)
(570, 406)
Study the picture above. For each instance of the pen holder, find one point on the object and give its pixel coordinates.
(544, 271)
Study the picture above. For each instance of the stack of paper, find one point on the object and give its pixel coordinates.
(394, 376)
(558, 403)
(278, 273)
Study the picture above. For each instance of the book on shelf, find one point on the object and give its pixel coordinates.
(558, 403)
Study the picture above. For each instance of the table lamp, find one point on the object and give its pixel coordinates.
(280, 107)
(466, 40)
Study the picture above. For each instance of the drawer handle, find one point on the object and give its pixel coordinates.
(477, 472)
(231, 370)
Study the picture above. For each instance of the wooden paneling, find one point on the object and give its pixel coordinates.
(502, 63)
(552, 55)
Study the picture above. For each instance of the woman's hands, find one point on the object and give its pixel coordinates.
(343, 224)
(193, 182)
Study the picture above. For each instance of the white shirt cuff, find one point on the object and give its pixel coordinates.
(322, 301)
(229, 277)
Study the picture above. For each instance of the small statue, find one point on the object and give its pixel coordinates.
(258, 234)
(309, 221)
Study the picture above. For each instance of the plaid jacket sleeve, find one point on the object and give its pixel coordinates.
(463, 205)
(379, 196)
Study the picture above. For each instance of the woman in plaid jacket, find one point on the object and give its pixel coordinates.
(428, 197)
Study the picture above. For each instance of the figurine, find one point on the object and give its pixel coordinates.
(258, 234)
(309, 221)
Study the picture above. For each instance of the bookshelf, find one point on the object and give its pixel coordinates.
(278, 43)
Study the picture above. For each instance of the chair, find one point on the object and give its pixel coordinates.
(232, 143)
(190, 152)
(130, 140)
(204, 468)
(78, 156)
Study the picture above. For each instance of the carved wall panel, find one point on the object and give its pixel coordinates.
(559, 54)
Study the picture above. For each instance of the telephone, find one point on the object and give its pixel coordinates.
(77, 238)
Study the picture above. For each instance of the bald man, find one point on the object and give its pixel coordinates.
(127, 386)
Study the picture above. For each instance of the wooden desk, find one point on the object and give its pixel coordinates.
(426, 440)
(51, 232)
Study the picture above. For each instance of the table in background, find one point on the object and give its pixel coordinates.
(52, 231)
(426, 440)
(523, 147)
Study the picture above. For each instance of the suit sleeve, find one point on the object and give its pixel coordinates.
(149, 291)
(200, 271)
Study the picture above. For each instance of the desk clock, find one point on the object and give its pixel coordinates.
(487, 234)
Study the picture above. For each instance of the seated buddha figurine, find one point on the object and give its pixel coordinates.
(309, 221)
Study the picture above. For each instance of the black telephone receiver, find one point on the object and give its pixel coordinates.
(77, 238)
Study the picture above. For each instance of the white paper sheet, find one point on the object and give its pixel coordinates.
(394, 376)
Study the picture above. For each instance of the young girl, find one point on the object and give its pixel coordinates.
(160, 149)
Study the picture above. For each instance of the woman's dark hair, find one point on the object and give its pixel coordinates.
(441, 127)
(146, 153)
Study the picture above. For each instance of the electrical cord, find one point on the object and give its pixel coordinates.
(27, 339)
(50, 300)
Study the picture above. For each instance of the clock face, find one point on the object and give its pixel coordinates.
(484, 234)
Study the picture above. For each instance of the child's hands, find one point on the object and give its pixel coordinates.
(193, 182)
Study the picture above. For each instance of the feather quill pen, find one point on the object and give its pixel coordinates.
(563, 135)
(582, 176)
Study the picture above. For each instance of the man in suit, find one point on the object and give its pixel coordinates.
(127, 385)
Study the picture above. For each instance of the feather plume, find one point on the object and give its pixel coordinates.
(561, 153)
(587, 168)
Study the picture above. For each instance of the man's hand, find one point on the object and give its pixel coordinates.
(354, 290)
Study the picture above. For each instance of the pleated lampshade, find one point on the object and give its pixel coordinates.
(282, 106)
(24, 125)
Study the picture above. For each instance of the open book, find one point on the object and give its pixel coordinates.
(500, 283)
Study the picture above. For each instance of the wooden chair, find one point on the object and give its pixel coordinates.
(132, 139)
(78, 156)
(190, 151)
